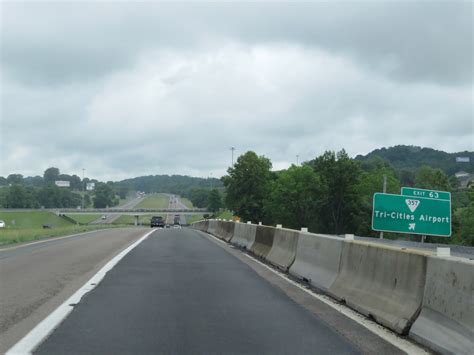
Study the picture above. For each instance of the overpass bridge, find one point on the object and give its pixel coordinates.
(114, 211)
(132, 211)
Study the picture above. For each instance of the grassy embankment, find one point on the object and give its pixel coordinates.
(193, 218)
(186, 202)
(28, 226)
(84, 218)
(152, 201)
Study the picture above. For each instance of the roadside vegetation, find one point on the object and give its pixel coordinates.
(42, 192)
(226, 215)
(22, 220)
(84, 218)
(186, 202)
(194, 218)
(12, 235)
(332, 194)
(30, 226)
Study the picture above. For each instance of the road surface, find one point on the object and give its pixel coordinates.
(182, 292)
(176, 203)
(38, 277)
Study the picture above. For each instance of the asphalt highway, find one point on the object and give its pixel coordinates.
(36, 278)
(181, 292)
(175, 202)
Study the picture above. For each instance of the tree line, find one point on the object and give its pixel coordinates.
(41, 192)
(332, 194)
(406, 159)
(17, 191)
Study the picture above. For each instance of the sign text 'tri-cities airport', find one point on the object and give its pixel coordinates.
(413, 215)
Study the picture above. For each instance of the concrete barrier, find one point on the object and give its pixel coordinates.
(446, 321)
(225, 230)
(283, 251)
(382, 282)
(202, 225)
(212, 227)
(263, 241)
(199, 225)
(244, 235)
(317, 259)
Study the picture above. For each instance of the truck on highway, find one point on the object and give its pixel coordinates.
(157, 221)
(177, 219)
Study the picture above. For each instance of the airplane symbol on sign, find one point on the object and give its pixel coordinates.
(411, 227)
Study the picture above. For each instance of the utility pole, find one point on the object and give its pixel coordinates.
(83, 188)
(232, 149)
(384, 191)
(297, 159)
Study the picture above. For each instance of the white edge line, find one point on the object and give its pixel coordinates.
(377, 329)
(37, 335)
(8, 247)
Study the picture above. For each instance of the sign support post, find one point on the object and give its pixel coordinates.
(384, 191)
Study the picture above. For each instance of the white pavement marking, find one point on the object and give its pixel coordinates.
(377, 329)
(39, 333)
(8, 248)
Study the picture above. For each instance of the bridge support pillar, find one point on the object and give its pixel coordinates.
(136, 220)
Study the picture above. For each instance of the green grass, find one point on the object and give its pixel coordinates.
(12, 236)
(84, 218)
(193, 218)
(154, 201)
(127, 199)
(225, 215)
(186, 202)
(31, 220)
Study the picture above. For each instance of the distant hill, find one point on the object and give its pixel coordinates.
(175, 184)
(412, 157)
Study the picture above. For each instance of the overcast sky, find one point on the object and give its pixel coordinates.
(126, 89)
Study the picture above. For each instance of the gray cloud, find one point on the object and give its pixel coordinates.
(127, 89)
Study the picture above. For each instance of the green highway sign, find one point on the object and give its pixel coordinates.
(438, 195)
(412, 215)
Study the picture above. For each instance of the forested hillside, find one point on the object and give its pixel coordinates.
(410, 158)
(176, 184)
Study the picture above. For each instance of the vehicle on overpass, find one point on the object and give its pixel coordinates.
(157, 221)
(177, 219)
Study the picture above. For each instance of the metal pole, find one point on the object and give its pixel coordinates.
(297, 159)
(232, 149)
(83, 189)
(384, 191)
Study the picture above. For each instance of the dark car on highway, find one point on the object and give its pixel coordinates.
(157, 221)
